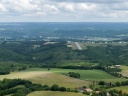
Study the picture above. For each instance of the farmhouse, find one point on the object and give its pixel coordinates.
(89, 90)
(82, 89)
(117, 65)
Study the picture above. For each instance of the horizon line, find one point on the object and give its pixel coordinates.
(61, 22)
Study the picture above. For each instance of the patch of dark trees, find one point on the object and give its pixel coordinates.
(7, 67)
(73, 74)
(4, 71)
(115, 84)
(10, 86)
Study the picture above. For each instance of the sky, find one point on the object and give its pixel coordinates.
(63, 10)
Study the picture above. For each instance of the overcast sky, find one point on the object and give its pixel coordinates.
(63, 10)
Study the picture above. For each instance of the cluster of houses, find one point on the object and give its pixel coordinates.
(90, 91)
(114, 66)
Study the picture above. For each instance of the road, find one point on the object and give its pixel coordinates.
(79, 47)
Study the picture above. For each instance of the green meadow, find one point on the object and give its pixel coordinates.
(84, 74)
(50, 93)
(124, 70)
(58, 76)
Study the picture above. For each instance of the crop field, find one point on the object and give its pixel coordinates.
(50, 93)
(62, 80)
(124, 70)
(85, 74)
(123, 88)
(49, 78)
(57, 76)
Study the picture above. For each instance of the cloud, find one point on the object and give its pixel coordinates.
(2, 8)
(86, 7)
(18, 6)
(50, 8)
(69, 7)
(92, 1)
(64, 10)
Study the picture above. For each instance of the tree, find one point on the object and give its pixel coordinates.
(55, 87)
(118, 84)
(62, 89)
(101, 83)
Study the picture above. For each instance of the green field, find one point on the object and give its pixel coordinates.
(57, 76)
(49, 78)
(50, 93)
(124, 70)
(85, 74)
(123, 88)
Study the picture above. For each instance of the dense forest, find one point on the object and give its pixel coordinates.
(17, 56)
(59, 53)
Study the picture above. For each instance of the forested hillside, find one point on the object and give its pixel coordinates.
(41, 52)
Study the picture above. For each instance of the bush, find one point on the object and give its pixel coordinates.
(73, 74)
(55, 87)
(62, 89)
(101, 83)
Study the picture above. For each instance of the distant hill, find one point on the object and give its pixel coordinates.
(57, 53)
(39, 31)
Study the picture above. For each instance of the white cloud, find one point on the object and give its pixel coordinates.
(65, 6)
(19, 5)
(2, 8)
(64, 9)
(92, 1)
(41, 13)
(86, 7)
(50, 9)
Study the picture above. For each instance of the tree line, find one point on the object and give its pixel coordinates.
(10, 86)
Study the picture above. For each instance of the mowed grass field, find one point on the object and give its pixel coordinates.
(55, 76)
(124, 70)
(49, 78)
(51, 93)
(97, 75)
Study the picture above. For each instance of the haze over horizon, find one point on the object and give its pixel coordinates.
(63, 11)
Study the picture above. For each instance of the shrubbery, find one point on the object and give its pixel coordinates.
(73, 74)
(8, 86)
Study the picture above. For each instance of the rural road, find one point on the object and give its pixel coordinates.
(79, 47)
